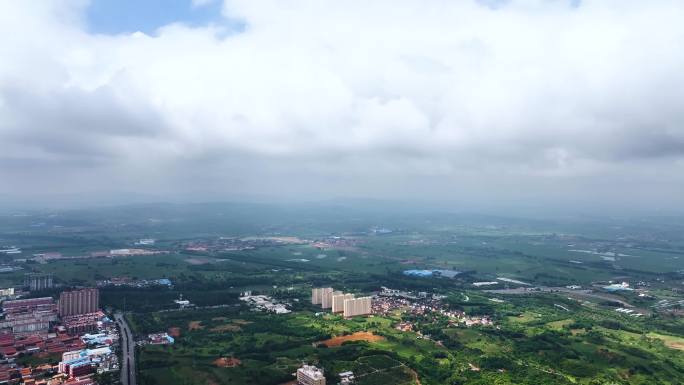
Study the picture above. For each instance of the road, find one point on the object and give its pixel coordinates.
(128, 351)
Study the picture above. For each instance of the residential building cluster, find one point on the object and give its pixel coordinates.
(29, 316)
(12, 346)
(340, 302)
(162, 338)
(138, 283)
(335, 242)
(83, 323)
(422, 303)
(74, 327)
(223, 244)
(38, 281)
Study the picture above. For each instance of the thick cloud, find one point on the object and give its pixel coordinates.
(437, 99)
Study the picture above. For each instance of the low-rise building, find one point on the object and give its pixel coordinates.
(310, 375)
(347, 378)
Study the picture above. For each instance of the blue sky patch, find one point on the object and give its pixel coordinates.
(127, 16)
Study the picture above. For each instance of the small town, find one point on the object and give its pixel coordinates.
(73, 327)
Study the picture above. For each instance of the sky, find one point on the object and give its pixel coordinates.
(486, 104)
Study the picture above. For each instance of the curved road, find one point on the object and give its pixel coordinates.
(128, 351)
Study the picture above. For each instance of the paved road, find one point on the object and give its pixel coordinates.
(128, 351)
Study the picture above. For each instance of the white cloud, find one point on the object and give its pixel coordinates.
(372, 90)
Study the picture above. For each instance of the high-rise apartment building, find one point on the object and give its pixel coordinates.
(310, 375)
(77, 302)
(326, 297)
(338, 302)
(38, 281)
(316, 296)
(358, 306)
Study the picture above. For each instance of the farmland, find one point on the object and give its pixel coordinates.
(526, 304)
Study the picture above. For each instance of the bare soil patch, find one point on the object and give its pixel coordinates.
(195, 325)
(675, 345)
(358, 336)
(174, 332)
(227, 362)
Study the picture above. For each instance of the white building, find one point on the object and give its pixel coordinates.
(7, 292)
(358, 306)
(346, 378)
(326, 297)
(316, 296)
(310, 375)
(338, 302)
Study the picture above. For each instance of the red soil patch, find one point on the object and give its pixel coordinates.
(227, 362)
(174, 332)
(358, 336)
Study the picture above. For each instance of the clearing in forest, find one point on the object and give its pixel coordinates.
(358, 336)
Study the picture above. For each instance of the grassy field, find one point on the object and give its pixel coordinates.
(538, 338)
(269, 347)
(539, 343)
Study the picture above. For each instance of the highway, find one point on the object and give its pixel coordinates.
(128, 351)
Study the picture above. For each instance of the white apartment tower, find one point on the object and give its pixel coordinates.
(338, 302)
(310, 375)
(326, 300)
(316, 296)
(358, 306)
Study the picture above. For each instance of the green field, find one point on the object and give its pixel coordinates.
(538, 337)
